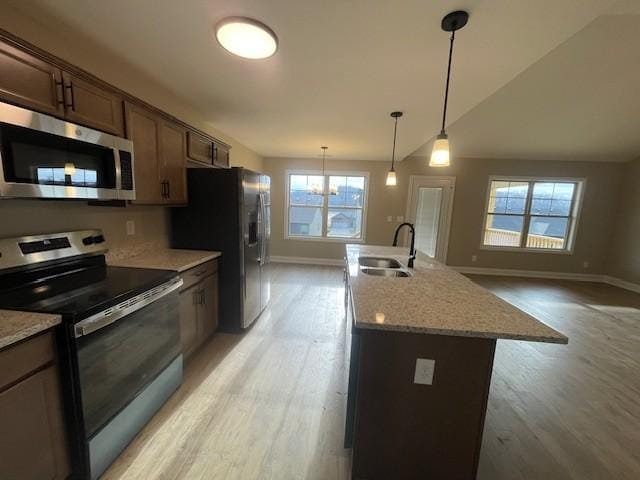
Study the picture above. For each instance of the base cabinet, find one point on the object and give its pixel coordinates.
(198, 306)
(33, 443)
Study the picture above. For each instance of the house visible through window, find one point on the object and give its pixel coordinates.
(329, 207)
(531, 214)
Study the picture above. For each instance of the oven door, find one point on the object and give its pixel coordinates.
(118, 358)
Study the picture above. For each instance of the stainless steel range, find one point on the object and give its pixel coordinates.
(119, 342)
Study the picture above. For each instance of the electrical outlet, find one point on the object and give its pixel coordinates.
(585, 264)
(474, 258)
(131, 227)
(425, 369)
(399, 218)
(389, 218)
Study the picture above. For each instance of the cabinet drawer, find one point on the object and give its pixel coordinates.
(197, 274)
(17, 361)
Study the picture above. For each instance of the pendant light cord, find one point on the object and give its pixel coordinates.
(393, 153)
(446, 90)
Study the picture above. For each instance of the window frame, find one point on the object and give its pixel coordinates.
(325, 206)
(574, 217)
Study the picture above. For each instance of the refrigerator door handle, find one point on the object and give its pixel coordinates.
(262, 232)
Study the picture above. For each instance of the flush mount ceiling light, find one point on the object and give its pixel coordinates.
(246, 37)
(440, 155)
(392, 181)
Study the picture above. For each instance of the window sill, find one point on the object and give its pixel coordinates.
(526, 250)
(324, 239)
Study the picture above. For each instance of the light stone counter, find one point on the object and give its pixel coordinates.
(16, 326)
(163, 258)
(435, 300)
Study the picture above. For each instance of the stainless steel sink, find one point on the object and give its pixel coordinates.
(385, 272)
(378, 262)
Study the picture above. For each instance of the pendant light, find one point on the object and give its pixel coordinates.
(440, 155)
(392, 181)
(316, 189)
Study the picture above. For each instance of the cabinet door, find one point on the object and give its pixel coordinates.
(32, 435)
(208, 306)
(143, 130)
(174, 162)
(199, 148)
(29, 82)
(90, 105)
(189, 319)
(220, 155)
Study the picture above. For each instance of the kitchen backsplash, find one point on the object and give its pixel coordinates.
(27, 217)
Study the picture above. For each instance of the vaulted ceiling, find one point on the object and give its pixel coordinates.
(530, 79)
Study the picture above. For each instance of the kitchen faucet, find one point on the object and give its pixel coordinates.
(412, 249)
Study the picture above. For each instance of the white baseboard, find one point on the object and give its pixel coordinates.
(618, 282)
(308, 261)
(579, 277)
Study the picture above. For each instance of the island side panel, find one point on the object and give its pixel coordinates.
(405, 430)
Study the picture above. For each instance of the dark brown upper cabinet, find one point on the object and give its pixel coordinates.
(199, 148)
(30, 82)
(159, 149)
(143, 131)
(90, 105)
(173, 158)
(220, 155)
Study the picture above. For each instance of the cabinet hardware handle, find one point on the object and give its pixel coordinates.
(200, 273)
(162, 194)
(203, 297)
(60, 92)
(194, 296)
(72, 105)
(168, 188)
(215, 153)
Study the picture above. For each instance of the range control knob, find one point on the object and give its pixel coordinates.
(87, 240)
(98, 239)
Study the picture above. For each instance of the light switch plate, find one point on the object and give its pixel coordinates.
(389, 218)
(399, 218)
(425, 369)
(131, 227)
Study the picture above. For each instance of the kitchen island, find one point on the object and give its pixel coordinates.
(422, 348)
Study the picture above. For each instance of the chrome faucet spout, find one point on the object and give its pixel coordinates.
(412, 249)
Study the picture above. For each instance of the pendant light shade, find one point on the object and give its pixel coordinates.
(440, 152)
(392, 180)
(440, 155)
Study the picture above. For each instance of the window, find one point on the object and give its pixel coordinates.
(531, 214)
(337, 215)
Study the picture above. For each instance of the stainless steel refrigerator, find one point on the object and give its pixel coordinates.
(229, 211)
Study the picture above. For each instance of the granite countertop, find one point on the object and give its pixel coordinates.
(160, 257)
(435, 300)
(16, 325)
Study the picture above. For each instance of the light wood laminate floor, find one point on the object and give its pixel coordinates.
(270, 404)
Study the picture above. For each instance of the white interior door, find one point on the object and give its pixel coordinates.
(429, 208)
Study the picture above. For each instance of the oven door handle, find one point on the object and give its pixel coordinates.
(113, 314)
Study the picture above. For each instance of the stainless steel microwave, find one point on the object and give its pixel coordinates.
(44, 157)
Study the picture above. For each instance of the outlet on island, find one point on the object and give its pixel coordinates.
(425, 368)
